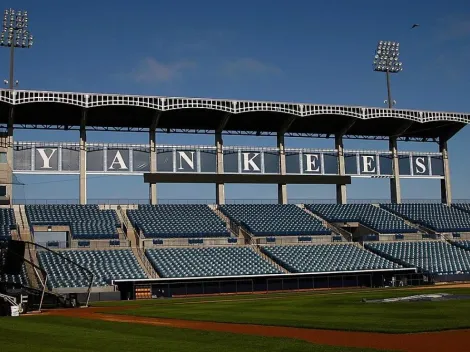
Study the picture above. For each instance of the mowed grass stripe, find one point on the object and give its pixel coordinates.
(322, 311)
(50, 333)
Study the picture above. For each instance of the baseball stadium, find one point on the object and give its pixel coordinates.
(282, 275)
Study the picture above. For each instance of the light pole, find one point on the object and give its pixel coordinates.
(387, 60)
(15, 34)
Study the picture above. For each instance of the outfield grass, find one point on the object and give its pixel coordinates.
(47, 333)
(343, 311)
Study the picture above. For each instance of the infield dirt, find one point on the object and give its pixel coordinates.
(454, 341)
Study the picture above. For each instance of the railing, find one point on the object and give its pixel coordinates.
(94, 244)
(269, 259)
(147, 265)
(129, 227)
(127, 201)
(233, 226)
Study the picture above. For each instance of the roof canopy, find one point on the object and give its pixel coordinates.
(62, 110)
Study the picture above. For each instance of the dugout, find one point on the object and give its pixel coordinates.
(180, 287)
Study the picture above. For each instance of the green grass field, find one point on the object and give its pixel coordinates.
(338, 310)
(47, 333)
(341, 311)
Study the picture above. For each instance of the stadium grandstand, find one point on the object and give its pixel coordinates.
(134, 251)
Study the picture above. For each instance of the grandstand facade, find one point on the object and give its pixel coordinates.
(152, 250)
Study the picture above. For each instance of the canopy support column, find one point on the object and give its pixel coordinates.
(282, 187)
(83, 152)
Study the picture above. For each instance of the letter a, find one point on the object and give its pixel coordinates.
(118, 160)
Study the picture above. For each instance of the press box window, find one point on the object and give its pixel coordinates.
(3, 191)
(3, 158)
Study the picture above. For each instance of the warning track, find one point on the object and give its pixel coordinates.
(456, 340)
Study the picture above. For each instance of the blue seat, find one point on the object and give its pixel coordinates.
(274, 219)
(7, 222)
(431, 257)
(21, 279)
(368, 215)
(177, 221)
(106, 265)
(87, 222)
(437, 217)
(208, 261)
(326, 258)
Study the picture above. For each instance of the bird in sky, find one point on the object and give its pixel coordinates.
(414, 26)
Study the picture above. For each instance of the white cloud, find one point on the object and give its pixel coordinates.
(151, 70)
(249, 66)
(454, 27)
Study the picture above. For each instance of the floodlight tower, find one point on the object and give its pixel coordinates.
(387, 60)
(15, 34)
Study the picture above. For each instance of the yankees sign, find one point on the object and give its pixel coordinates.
(135, 159)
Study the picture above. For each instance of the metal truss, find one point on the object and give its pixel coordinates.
(89, 101)
(208, 131)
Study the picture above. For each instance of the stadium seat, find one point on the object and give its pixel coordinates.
(208, 261)
(7, 222)
(368, 215)
(177, 221)
(22, 278)
(275, 219)
(85, 221)
(431, 257)
(326, 258)
(106, 265)
(437, 217)
(462, 206)
(465, 244)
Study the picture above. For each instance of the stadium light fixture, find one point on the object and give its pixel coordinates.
(15, 34)
(387, 60)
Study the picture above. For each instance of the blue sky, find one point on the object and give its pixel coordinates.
(300, 50)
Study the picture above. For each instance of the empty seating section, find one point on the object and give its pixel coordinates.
(368, 215)
(463, 244)
(177, 221)
(85, 221)
(209, 261)
(7, 222)
(106, 265)
(275, 219)
(16, 279)
(462, 206)
(432, 257)
(438, 217)
(93, 230)
(326, 258)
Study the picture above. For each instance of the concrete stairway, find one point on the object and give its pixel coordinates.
(257, 249)
(420, 229)
(237, 230)
(132, 235)
(135, 240)
(23, 233)
(335, 229)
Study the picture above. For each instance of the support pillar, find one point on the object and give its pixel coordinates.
(219, 187)
(9, 147)
(282, 187)
(395, 187)
(83, 152)
(153, 165)
(446, 192)
(340, 189)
